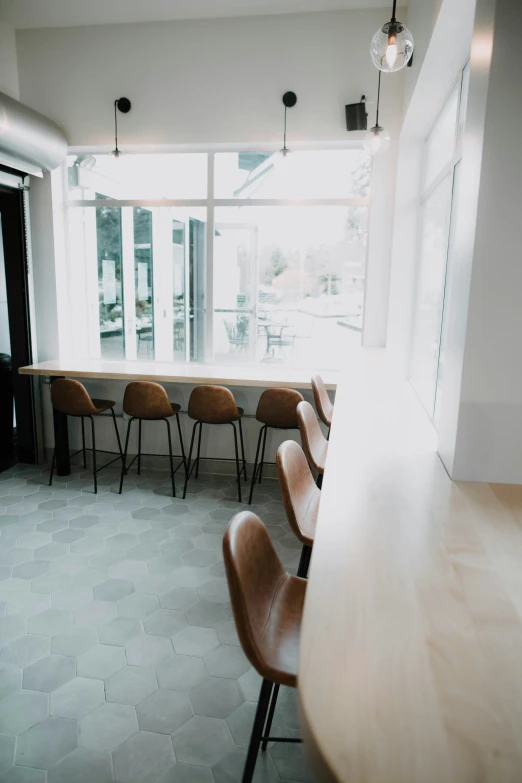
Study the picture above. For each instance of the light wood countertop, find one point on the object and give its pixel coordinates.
(166, 372)
(411, 651)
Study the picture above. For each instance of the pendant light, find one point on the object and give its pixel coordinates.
(123, 105)
(392, 45)
(377, 139)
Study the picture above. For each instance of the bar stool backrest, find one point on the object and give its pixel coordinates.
(323, 403)
(315, 445)
(278, 408)
(71, 397)
(146, 400)
(298, 487)
(254, 574)
(212, 405)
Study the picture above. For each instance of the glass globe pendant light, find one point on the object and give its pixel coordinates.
(377, 139)
(123, 105)
(289, 101)
(392, 45)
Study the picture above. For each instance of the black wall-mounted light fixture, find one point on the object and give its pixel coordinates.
(356, 116)
(289, 101)
(123, 105)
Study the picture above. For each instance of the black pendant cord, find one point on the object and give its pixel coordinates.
(116, 124)
(378, 100)
(284, 134)
(393, 19)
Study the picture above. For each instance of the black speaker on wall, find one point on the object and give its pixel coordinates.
(356, 117)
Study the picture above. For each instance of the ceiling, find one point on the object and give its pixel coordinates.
(23, 14)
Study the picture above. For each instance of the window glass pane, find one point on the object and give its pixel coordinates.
(430, 292)
(288, 284)
(169, 176)
(440, 144)
(108, 245)
(463, 108)
(131, 269)
(300, 174)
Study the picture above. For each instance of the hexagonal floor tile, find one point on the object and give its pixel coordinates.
(45, 744)
(240, 723)
(165, 622)
(77, 698)
(143, 758)
(216, 698)
(200, 557)
(195, 641)
(83, 766)
(231, 767)
(181, 673)
(11, 627)
(179, 598)
(129, 569)
(120, 630)
(10, 680)
(51, 622)
(73, 598)
(227, 661)
(96, 613)
(291, 762)
(25, 650)
(101, 661)
(226, 632)
(131, 685)
(24, 775)
(202, 741)
(148, 650)
(49, 673)
(137, 605)
(250, 684)
(208, 613)
(108, 726)
(75, 641)
(164, 711)
(21, 710)
(31, 569)
(50, 583)
(7, 751)
(113, 590)
(185, 773)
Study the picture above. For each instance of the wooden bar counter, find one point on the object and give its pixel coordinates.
(411, 651)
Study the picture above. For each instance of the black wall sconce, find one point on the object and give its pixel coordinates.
(123, 105)
(356, 116)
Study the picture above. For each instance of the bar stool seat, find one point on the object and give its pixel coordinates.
(323, 404)
(210, 404)
(301, 498)
(71, 398)
(268, 605)
(276, 409)
(315, 445)
(148, 401)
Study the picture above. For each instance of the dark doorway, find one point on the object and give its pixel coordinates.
(18, 442)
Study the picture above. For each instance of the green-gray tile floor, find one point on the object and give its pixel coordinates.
(119, 659)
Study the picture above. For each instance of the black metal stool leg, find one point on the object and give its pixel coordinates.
(257, 731)
(95, 478)
(53, 463)
(123, 468)
(254, 475)
(266, 732)
(319, 481)
(181, 443)
(199, 448)
(263, 455)
(242, 449)
(139, 447)
(171, 460)
(83, 444)
(188, 471)
(238, 471)
(304, 561)
(117, 433)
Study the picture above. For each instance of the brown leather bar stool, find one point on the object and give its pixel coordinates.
(323, 404)
(72, 399)
(277, 408)
(148, 401)
(301, 497)
(214, 405)
(268, 605)
(315, 445)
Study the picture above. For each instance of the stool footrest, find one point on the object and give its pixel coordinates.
(280, 739)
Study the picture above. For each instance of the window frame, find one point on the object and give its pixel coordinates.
(210, 203)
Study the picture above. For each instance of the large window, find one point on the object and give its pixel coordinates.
(437, 214)
(228, 257)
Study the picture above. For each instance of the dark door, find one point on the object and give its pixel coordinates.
(12, 224)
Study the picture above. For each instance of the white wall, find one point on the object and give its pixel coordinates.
(8, 61)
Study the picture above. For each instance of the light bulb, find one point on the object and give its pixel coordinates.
(391, 47)
(377, 140)
(116, 154)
